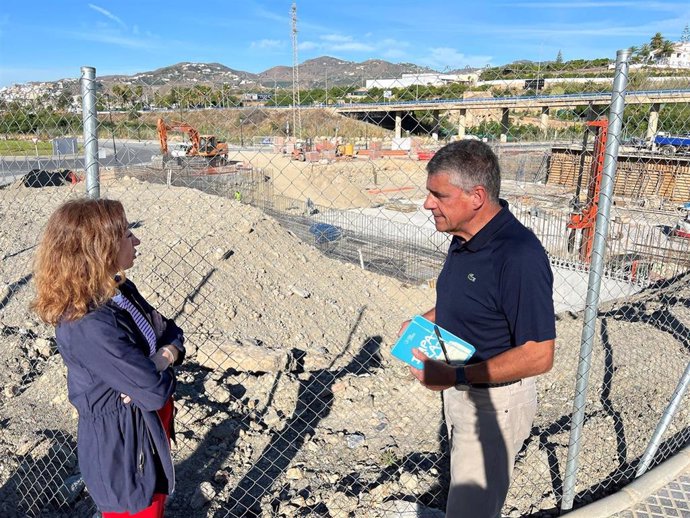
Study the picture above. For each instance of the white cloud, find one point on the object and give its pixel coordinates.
(334, 42)
(307, 45)
(351, 46)
(443, 58)
(390, 42)
(396, 54)
(116, 39)
(109, 15)
(336, 38)
(266, 44)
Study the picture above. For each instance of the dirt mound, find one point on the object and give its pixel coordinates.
(290, 401)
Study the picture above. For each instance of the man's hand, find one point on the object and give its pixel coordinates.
(435, 375)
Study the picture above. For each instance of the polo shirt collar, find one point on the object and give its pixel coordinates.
(481, 238)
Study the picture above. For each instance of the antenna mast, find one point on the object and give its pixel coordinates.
(296, 115)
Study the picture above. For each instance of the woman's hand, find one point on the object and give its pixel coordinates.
(159, 323)
(165, 357)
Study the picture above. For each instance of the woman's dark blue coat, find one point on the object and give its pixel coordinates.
(122, 448)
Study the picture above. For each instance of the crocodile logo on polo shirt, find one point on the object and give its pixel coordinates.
(471, 277)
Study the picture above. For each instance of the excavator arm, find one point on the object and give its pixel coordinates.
(205, 146)
(163, 129)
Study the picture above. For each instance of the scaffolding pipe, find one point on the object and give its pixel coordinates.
(615, 125)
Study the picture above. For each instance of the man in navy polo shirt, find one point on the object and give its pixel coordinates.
(496, 292)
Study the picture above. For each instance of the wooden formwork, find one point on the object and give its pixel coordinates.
(637, 176)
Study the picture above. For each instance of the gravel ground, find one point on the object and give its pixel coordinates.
(290, 403)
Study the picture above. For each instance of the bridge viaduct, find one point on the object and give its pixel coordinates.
(597, 102)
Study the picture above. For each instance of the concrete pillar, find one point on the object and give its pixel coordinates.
(462, 120)
(653, 123)
(437, 124)
(505, 124)
(398, 124)
(544, 122)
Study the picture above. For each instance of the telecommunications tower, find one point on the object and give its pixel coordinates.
(296, 115)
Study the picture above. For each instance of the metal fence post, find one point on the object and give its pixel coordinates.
(90, 120)
(664, 422)
(594, 285)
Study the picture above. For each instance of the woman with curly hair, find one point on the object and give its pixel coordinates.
(118, 351)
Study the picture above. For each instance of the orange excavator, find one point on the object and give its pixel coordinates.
(206, 146)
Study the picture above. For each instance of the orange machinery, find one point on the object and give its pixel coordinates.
(584, 217)
(206, 146)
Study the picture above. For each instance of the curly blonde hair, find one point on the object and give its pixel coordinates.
(75, 267)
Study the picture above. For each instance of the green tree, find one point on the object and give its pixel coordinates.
(124, 94)
(657, 41)
(63, 101)
(645, 52)
(666, 48)
(559, 57)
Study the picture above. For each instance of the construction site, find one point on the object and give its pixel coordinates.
(289, 240)
(290, 277)
(362, 201)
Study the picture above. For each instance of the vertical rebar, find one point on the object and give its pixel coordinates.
(90, 122)
(615, 125)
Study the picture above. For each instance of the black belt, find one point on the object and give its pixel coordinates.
(493, 385)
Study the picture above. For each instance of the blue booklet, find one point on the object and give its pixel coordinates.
(421, 334)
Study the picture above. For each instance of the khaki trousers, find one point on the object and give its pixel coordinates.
(486, 429)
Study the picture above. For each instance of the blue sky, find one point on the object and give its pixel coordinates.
(46, 40)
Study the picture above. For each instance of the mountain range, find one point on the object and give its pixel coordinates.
(317, 72)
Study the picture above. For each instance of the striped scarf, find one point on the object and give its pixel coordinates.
(139, 319)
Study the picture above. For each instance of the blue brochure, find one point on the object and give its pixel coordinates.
(420, 334)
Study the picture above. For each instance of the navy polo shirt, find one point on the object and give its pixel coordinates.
(496, 290)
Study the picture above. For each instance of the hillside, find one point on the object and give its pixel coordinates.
(318, 71)
(184, 73)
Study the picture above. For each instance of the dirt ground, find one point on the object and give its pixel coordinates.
(290, 403)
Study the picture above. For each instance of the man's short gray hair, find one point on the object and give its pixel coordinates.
(468, 163)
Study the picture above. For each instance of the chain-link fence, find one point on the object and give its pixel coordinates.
(289, 242)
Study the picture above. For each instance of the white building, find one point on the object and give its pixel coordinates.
(679, 58)
(426, 79)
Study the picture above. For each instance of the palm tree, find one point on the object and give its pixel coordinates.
(666, 48)
(657, 41)
(645, 52)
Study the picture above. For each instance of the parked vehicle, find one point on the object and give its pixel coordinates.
(179, 149)
(671, 144)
